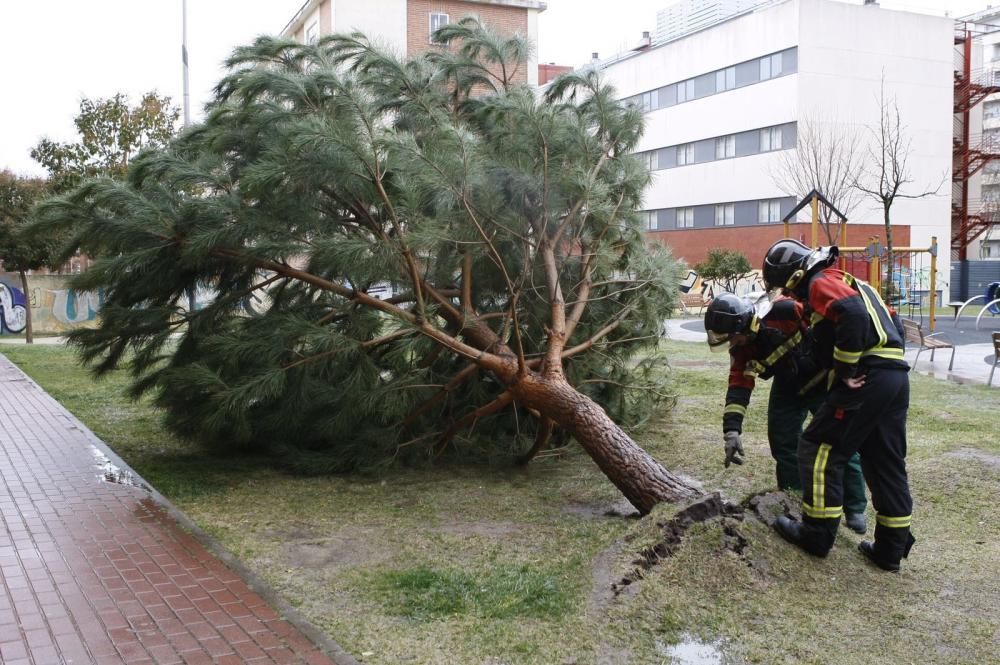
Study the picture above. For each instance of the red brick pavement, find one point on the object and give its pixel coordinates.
(94, 569)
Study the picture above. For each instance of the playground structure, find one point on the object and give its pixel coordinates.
(910, 280)
(991, 300)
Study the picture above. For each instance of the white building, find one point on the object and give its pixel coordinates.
(686, 16)
(723, 101)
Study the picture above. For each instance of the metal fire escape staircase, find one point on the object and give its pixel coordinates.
(970, 153)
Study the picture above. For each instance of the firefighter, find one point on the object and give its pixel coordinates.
(772, 340)
(864, 412)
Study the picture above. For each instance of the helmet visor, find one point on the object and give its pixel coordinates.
(718, 341)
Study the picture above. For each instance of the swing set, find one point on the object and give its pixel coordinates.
(910, 280)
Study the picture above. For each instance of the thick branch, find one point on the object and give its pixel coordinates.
(545, 429)
(496, 405)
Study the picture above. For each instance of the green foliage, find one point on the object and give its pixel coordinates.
(724, 266)
(20, 250)
(502, 592)
(112, 133)
(326, 173)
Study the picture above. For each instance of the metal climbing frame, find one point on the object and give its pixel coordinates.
(872, 259)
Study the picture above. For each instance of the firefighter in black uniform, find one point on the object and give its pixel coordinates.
(865, 410)
(772, 340)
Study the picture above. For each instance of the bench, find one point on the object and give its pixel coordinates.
(691, 301)
(914, 333)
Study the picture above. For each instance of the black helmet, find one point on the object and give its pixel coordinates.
(788, 261)
(726, 316)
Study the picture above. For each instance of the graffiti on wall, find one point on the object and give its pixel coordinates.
(55, 308)
(13, 311)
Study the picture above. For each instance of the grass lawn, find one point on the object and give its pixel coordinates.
(494, 566)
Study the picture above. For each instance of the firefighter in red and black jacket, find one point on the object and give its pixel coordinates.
(768, 340)
(864, 412)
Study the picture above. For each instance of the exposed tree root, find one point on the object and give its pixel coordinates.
(765, 507)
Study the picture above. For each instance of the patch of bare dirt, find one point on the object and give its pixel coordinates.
(484, 529)
(992, 461)
(620, 508)
(335, 550)
(765, 507)
(602, 580)
(674, 530)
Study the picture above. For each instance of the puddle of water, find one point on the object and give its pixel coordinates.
(109, 472)
(690, 651)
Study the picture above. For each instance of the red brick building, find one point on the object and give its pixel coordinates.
(406, 26)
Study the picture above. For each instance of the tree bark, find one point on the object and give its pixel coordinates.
(29, 337)
(643, 480)
(887, 290)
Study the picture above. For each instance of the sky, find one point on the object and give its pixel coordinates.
(54, 52)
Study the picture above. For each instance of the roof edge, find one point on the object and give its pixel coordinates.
(299, 18)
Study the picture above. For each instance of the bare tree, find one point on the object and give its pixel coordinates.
(827, 158)
(887, 171)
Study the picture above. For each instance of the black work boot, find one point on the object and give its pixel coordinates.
(791, 531)
(856, 522)
(867, 548)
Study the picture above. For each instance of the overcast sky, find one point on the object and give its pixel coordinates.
(54, 52)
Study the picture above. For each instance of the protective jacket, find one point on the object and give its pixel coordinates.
(863, 327)
(780, 348)
(869, 420)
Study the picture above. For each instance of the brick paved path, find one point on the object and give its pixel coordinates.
(94, 570)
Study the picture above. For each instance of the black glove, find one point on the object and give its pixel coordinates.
(734, 447)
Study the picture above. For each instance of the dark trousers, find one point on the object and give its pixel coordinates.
(786, 412)
(871, 421)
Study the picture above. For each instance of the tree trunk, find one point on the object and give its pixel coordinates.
(29, 338)
(638, 476)
(887, 291)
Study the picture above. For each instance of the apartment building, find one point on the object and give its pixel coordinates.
(407, 26)
(723, 102)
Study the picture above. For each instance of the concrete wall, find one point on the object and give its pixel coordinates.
(55, 308)
(844, 52)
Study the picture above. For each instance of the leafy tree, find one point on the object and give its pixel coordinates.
(502, 226)
(20, 249)
(887, 175)
(725, 267)
(827, 157)
(111, 134)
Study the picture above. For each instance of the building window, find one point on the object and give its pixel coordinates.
(770, 66)
(648, 101)
(648, 218)
(685, 218)
(312, 33)
(770, 139)
(725, 79)
(685, 154)
(725, 147)
(769, 211)
(438, 21)
(651, 159)
(725, 214)
(685, 91)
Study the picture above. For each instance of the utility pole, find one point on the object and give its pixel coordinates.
(192, 296)
(184, 59)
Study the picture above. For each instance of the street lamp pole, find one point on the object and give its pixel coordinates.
(184, 58)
